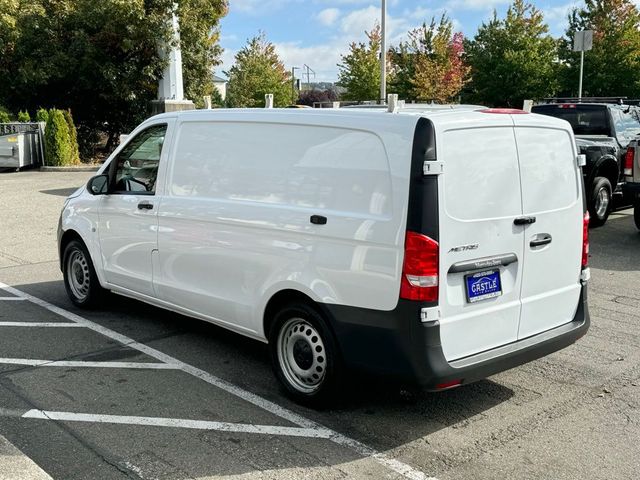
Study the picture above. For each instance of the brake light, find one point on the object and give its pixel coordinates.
(628, 160)
(420, 268)
(585, 240)
(566, 105)
(506, 111)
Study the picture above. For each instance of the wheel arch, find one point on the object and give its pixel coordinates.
(287, 296)
(607, 167)
(67, 237)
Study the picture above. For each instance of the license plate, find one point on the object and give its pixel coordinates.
(483, 285)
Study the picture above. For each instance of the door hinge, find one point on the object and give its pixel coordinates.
(585, 275)
(432, 168)
(430, 315)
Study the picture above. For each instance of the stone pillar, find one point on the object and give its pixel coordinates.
(170, 88)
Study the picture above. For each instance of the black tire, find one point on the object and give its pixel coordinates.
(636, 213)
(80, 279)
(315, 353)
(600, 201)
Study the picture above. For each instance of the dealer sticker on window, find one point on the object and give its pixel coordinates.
(483, 285)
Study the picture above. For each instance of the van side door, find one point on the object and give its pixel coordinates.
(128, 214)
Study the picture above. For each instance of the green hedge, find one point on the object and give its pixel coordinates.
(61, 145)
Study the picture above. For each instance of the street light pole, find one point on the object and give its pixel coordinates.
(383, 52)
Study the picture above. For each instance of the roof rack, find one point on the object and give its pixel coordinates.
(618, 100)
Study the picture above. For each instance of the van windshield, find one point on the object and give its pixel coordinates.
(584, 119)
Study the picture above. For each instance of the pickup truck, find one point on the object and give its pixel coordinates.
(603, 132)
(631, 171)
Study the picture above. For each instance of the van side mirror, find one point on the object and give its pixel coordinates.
(98, 185)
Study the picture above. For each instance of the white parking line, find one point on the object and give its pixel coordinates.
(178, 423)
(87, 364)
(12, 298)
(41, 324)
(399, 467)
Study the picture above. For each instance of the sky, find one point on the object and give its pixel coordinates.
(316, 32)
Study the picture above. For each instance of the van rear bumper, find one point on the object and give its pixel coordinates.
(396, 343)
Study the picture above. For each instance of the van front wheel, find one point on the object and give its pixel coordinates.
(304, 354)
(80, 279)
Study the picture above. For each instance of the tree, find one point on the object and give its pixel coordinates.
(257, 71)
(512, 59)
(611, 67)
(359, 70)
(100, 58)
(199, 37)
(429, 65)
(23, 116)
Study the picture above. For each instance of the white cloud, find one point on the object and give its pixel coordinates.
(328, 16)
(556, 17)
(321, 58)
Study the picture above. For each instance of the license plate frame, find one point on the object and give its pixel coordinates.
(488, 285)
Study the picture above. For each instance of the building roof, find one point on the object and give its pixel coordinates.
(217, 79)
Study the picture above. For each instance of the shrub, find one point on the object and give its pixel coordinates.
(24, 116)
(57, 140)
(4, 115)
(73, 136)
(42, 115)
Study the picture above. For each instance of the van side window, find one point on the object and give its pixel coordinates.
(320, 168)
(136, 167)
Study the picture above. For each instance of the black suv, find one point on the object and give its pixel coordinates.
(603, 132)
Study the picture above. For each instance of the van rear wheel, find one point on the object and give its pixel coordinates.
(80, 279)
(600, 203)
(304, 354)
(636, 213)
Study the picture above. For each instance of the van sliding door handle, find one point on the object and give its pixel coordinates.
(145, 206)
(540, 240)
(524, 220)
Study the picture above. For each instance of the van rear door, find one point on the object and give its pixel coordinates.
(481, 249)
(551, 194)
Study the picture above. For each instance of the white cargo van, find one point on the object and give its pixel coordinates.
(438, 247)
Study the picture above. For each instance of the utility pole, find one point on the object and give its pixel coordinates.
(309, 71)
(383, 53)
(293, 84)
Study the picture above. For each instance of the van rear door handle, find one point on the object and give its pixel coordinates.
(524, 220)
(145, 206)
(540, 240)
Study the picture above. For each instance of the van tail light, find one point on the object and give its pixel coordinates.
(628, 160)
(420, 269)
(585, 240)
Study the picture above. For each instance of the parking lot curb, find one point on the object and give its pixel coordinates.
(78, 168)
(15, 465)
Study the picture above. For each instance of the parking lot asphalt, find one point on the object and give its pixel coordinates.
(132, 391)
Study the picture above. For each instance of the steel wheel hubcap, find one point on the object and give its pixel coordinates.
(602, 202)
(78, 274)
(301, 355)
